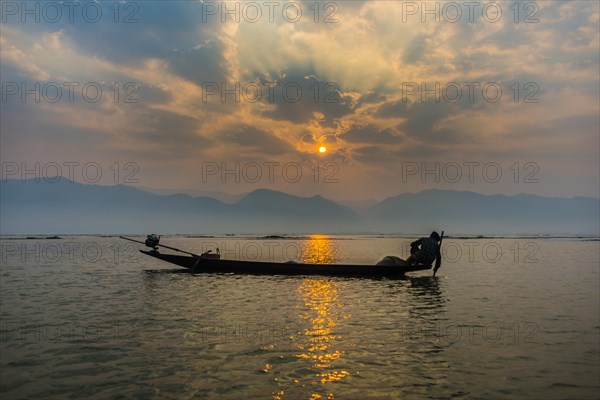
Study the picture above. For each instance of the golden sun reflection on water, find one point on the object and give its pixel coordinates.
(320, 312)
(320, 249)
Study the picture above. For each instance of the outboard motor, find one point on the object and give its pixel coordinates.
(211, 255)
(152, 241)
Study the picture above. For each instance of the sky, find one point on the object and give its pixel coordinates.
(491, 97)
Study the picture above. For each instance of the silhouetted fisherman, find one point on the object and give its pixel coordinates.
(426, 250)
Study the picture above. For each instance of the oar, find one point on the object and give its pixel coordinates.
(161, 245)
(441, 238)
(132, 240)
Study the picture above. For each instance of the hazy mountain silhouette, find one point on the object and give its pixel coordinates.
(221, 196)
(67, 207)
(267, 202)
(473, 212)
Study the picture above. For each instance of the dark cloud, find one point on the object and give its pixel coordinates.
(309, 138)
(415, 49)
(394, 109)
(155, 134)
(330, 138)
(383, 155)
(129, 32)
(153, 30)
(255, 139)
(166, 127)
(201, 64)
(370, 98)
(371, 154)
(422, 119)
(371, 134)
(379, 155)
(149, 94)
(297, 98)
(421, 126)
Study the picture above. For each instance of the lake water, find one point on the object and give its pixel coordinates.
(90, 317)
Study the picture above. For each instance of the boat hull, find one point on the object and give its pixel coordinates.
(206, 265)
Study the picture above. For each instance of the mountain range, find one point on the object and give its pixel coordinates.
(59, 206)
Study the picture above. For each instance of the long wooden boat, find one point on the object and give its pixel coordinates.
(212, 263)
(201, 264)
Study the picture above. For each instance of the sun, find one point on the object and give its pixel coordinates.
(322, 149)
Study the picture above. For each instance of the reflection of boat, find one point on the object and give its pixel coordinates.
(205, 264)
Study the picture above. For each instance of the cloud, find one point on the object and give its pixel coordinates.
(20, 61)
(309, 138)
(351, 75)
(415, 49)
(299, 99)
(256, 140)
(371, 134)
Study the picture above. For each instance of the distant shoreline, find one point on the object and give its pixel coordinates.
(344, 236)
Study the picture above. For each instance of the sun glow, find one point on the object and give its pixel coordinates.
(322, 149)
